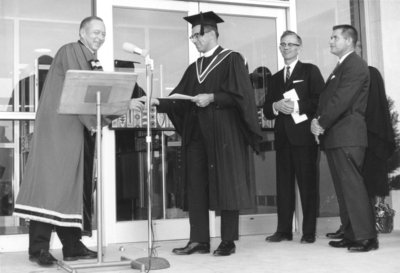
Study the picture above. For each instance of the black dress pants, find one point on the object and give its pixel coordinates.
(40, 235)
(198, 197)
(356, 212)
(297, 162)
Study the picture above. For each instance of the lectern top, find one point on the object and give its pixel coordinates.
(81, 87)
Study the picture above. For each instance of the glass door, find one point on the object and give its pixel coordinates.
(254, 32)
(158, 26)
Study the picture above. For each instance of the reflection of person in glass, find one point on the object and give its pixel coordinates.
(6, 196)
(260, 80)
(51, 193)
(217, 127)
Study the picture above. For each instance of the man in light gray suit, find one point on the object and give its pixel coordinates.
(340, 125)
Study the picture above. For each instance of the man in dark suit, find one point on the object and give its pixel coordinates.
(381, 140)
(292, 102)
(341, 123)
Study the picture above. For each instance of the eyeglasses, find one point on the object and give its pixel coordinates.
(196, 36)
(288, 45)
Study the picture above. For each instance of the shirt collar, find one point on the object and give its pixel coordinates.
(292, 64)
(210, 52)
(87, 47)
(344, 56)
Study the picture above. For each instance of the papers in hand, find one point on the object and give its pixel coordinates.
(177, 96)
(292, 95)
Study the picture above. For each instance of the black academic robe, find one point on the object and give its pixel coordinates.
(229, 126)
(381, 142)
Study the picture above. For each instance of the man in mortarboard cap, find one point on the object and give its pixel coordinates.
(208, 18)
(218, 126)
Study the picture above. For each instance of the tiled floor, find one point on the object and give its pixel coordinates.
(253, 255)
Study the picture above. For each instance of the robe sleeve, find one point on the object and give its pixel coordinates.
(176, 108)
(223, 100)
(239, 87)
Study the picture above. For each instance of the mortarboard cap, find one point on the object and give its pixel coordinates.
(206, 18)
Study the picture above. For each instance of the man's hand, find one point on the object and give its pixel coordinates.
(285, 106)
(316, 129)
(203, 100)
(153, 102)
(136, 104)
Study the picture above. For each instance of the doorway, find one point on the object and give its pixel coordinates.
(158, 26)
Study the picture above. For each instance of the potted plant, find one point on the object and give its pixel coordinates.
(394, 164)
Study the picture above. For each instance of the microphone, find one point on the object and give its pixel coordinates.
(131, 48)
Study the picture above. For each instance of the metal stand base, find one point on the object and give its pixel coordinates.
(74, 268)
(150, 263)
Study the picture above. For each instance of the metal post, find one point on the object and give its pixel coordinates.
(149, 262)
(99, 194)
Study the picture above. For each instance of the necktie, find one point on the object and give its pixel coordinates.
(287, 73)
(95, 65)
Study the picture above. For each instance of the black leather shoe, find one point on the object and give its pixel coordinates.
(364, 245)
(43, 258)
(341, 243)
(307, 239)
(225, 248)
(279, 236)
(193, 247)
(338, 234)
(80, 251)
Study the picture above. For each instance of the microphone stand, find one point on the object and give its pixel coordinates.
(149, 262)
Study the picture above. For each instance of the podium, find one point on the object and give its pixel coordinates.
(101, 94)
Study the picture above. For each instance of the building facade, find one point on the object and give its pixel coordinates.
(31, 31)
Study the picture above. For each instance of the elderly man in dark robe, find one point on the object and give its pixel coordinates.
(51, 194)
(218, 126)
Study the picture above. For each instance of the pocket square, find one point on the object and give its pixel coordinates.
(333, 76)
(296, 81)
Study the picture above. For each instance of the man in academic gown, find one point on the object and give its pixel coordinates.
(51, 193)
(218, 126)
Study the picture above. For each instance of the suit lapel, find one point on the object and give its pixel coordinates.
(281, 81)
(336, 71)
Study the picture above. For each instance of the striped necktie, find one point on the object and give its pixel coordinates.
(287, 73)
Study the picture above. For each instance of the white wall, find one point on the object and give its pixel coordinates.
(390, 10)
(390, 43)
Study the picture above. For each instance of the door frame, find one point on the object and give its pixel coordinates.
(133, 231)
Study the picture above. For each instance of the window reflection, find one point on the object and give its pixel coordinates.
(315, 29)
(6, 169)
(164, 34)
